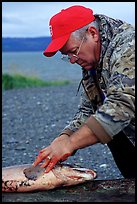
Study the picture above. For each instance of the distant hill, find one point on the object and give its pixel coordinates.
(25, 44)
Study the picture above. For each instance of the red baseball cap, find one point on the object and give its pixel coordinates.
(62, 24)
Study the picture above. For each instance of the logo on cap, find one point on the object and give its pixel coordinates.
(51, 31)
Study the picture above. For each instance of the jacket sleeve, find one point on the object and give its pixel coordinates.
(118, 109)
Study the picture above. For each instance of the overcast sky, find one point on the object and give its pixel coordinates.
(30, 19)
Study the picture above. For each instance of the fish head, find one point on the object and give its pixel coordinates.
(73, 174)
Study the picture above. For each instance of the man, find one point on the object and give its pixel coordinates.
(104, 48)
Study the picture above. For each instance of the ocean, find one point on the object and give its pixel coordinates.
(36, 64)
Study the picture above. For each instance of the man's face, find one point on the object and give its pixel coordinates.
(88, 49)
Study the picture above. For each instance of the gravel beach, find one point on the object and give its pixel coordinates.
(33, 117)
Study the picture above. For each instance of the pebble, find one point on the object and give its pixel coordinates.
(103, 165)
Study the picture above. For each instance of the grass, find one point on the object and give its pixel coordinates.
(19, 81)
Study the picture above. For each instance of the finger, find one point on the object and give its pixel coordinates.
(51, 164)
(39, 158)
(42, 150)
(47, 160)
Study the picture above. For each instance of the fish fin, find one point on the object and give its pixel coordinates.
(33, 173)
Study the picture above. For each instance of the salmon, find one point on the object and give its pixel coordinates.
(22, 178)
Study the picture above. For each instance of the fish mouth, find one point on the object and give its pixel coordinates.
(80, 169)
(86, 173)
(77, 168)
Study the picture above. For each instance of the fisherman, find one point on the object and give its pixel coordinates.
(104, 49)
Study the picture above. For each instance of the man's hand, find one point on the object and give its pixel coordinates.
(59, 150)
(64, 146)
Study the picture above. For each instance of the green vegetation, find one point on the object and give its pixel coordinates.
(20, 81)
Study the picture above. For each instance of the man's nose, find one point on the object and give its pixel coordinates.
(73, 59)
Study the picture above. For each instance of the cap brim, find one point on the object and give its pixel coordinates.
(55, 45)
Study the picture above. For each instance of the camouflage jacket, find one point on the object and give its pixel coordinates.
(108, 95)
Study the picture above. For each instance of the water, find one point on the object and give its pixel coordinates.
(36, 64)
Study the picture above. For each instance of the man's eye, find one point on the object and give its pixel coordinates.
(74, 51)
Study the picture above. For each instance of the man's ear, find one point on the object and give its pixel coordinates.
(94, 32)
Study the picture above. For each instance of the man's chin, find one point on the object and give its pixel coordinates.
(88, 67)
